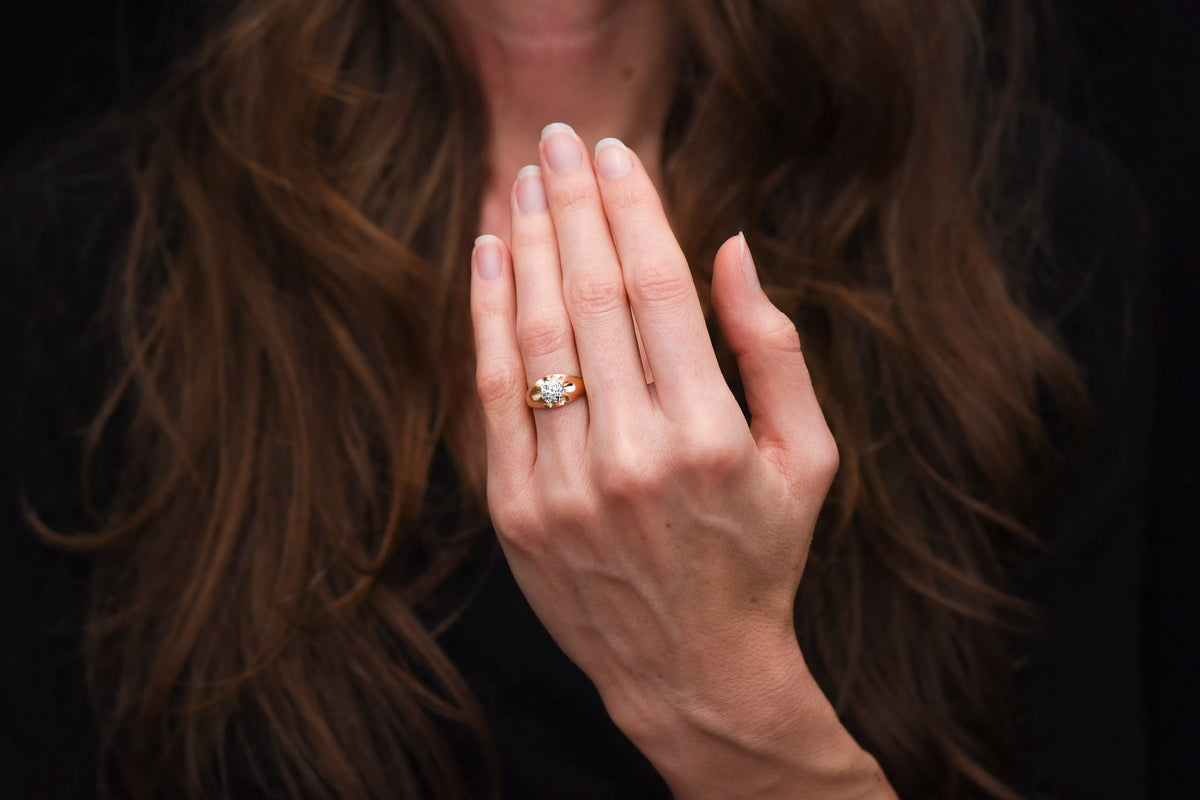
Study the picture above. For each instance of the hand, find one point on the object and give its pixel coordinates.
(658, 538)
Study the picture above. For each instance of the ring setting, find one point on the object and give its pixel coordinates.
(553, 391)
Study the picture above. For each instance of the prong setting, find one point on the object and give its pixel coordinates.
(553, 391)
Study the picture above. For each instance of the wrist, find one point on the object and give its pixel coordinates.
(763, 728)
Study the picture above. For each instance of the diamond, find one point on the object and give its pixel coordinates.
(552, 391)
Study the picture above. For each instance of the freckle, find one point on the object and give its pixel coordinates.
(627, 73)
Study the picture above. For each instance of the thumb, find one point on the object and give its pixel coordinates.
(785, 418)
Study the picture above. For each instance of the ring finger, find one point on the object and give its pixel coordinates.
(544, 330)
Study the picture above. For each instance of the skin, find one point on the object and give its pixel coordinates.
(658, 537)
(606, 66)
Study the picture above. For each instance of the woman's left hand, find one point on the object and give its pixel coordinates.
(658, 537)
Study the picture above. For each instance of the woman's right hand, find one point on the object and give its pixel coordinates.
(658, 537)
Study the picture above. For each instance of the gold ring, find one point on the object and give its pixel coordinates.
(553, 391)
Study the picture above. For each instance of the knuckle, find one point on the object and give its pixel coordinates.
(628, 483)
(595, 296)
(498, 383)
(518, 524)
(820, 462)
(825, 459)
(575, 196)
(531, 237)
(622, 199)
(714, 452)
(661, 279)
(782, 334)
(626, 471)
(567, 505)
(509, 517)
(543, 335)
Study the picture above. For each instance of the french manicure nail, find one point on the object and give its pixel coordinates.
(612, 159)
(561, 146)
(487, 257)
(531, 192)
(748, 264)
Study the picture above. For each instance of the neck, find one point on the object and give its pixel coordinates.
(605, 67)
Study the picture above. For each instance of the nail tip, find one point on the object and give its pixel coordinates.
(557, 126)
(749, 269)
(487, 260)
(529, 169)
(605, 142)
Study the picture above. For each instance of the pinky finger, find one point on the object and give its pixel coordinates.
(499, 371)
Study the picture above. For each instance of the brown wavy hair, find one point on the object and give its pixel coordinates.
(293, 312)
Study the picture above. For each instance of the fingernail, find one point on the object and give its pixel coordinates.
(487, 257)
(612, 159)
(531, 193)
(561, 146)
(748, 264)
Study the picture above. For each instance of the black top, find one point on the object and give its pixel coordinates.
(1082, 688)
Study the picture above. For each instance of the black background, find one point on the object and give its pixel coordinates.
(1128, 71)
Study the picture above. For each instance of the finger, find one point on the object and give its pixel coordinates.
(786, 419)
(499, 373)
(544, 332)
(662, 292)
(593, 289)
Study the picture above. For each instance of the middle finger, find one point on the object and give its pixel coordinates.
(593, 287)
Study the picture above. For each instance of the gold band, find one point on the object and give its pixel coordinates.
(553, 391)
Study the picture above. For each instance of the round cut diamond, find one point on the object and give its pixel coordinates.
(552, 391)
